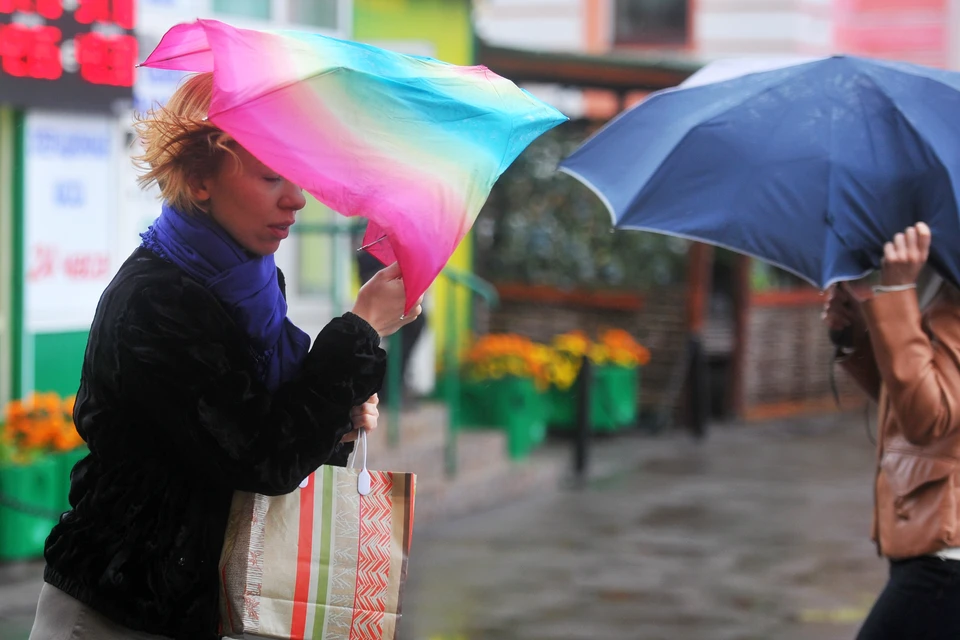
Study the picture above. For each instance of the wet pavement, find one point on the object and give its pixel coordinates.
(757, 533)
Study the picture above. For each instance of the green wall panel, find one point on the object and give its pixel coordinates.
(57, 361)
(7, 252)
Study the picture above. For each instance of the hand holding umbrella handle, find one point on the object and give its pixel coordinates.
(382, 301)
(842, 338)
(840, 305)
(905, 255)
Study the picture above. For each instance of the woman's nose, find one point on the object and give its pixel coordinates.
(293, 197)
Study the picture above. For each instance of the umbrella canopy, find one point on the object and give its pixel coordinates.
(412, 144)
(809, 165)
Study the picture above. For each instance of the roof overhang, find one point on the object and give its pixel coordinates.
(617, 71)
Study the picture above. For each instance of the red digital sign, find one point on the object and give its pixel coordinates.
(80, 56)
(119, 12)
(49, 9)
(30, 53)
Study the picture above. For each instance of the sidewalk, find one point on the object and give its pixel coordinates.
(19, 589)
(758, 532)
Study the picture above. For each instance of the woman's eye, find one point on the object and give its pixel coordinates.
(272, 178)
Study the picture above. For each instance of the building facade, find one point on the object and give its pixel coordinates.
(70, 208)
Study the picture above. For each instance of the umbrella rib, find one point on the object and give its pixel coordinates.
(179, 55)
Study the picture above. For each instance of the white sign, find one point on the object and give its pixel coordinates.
(70, 217)
(154, 87)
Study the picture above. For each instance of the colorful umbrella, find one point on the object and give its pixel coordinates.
(410, 143)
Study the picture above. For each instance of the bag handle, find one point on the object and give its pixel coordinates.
(363, 479)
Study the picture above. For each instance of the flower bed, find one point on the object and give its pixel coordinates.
(38, 448)
(521, 386)
(503, 386)
(616, 358)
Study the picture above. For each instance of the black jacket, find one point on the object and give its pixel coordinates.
(177, 419)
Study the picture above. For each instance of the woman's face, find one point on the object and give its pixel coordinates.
(253, 203)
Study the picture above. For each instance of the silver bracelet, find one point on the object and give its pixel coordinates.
(893, 288)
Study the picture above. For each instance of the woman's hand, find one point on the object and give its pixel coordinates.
(382, 300)
(363, 417)
(842, 310)
(905, 255)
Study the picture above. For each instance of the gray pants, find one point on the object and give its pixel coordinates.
(62, 617)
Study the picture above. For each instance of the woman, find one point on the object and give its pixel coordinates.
(195, 385)
(909, 362)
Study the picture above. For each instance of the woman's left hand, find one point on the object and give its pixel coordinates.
(363, 417)
(904, 257)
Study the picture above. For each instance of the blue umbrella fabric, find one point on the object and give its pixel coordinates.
(811, 166)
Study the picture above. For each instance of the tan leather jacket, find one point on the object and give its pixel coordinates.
(911, 366)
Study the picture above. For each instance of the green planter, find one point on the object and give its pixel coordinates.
(511, 404)
(66, 460)
(35, 488)
(613, 403)
(563, 406)
(615, 398)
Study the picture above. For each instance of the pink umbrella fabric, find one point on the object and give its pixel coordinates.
(412, 144)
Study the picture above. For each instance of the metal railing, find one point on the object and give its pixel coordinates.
(451, 351)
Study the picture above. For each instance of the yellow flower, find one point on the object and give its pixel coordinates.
(575, 343)
(599, 354)
(494, 356)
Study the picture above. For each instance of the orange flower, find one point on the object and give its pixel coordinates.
(495, 356)
(68, 404)
(43, 423)
(15, 412)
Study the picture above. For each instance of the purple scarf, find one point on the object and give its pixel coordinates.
(246, 285)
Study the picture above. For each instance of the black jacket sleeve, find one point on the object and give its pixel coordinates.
(185, 367)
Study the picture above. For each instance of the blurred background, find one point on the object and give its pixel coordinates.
(651, 425)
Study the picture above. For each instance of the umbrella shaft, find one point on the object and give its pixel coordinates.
(370, 244)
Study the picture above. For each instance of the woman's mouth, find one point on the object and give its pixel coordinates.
(280, 231)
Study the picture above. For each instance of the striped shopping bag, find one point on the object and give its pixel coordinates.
(326, 561)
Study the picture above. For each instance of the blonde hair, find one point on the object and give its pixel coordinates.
(180, 145)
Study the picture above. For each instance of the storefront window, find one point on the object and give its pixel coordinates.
(651, 22)
(317, 14)
(245, 8)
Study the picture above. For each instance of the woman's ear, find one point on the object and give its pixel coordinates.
(199, 189)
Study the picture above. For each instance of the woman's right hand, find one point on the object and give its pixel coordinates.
(382, 299)
(842, 310)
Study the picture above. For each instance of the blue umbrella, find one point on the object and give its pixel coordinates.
(811, 167)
